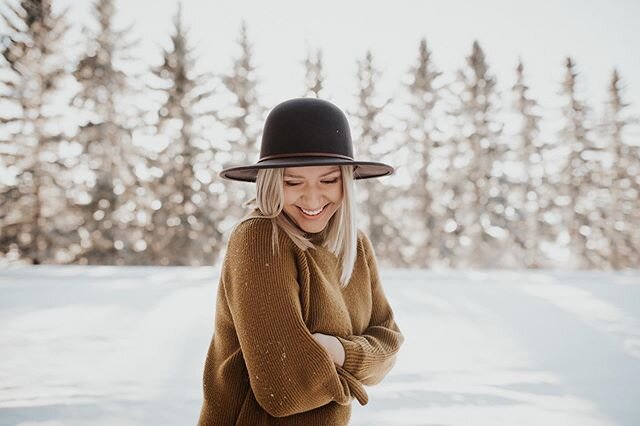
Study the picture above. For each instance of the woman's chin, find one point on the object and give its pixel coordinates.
(312, 227)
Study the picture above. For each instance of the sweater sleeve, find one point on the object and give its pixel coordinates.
(370, 356)
(289, 372)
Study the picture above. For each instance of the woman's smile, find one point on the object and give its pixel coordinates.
(312, 214)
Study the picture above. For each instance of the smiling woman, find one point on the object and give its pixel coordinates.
(312, 195)
(302, 322)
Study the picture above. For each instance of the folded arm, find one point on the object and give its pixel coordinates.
(371, 355)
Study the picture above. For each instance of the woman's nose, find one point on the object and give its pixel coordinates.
(313, 199)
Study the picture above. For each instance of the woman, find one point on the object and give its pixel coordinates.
(302, 322)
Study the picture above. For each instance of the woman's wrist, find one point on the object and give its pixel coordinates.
(340, 352)
(332, 345)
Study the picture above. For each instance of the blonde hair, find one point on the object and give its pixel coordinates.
(341, 232)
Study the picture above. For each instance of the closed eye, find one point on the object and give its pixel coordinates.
(327, 182)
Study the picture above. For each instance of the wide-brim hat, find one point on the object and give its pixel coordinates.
(306, 132)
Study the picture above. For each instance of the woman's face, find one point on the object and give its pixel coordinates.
(312, 195)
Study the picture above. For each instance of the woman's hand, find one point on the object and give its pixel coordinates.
(332, 345)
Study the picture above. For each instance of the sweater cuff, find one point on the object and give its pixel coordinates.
(353, 355)
(355, 387)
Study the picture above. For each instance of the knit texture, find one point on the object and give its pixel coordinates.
(263, 366)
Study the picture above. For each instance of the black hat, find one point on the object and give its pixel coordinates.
(306, 132)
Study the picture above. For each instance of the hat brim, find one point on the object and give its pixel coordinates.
(363, 169)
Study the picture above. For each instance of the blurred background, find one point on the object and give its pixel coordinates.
(508, 239)
(513, 128)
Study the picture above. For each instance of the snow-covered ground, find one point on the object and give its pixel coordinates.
(126, 346)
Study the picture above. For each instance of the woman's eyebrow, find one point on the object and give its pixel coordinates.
(302, 177)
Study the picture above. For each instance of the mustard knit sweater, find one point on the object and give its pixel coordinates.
(263, 366)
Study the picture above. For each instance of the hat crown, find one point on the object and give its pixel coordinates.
(305, 132)
(306, 126)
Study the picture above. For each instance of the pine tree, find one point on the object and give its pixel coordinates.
(477, 195)
(383, 229)
(185, 216)
(422, 138)
(623, 213)
(242, 120)
(108, 196)
(531, 196)
(32, 225)
(580, 178)
(314, 76)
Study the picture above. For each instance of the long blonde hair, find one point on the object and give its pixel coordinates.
(341, 233)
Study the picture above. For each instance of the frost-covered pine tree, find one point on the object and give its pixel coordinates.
(185, 212)
(580, 188)
(242, 120)
(477, 196)
(422, 138)
(314, 73)
(371, 141)
(33, 173)
(531, 194)
(623, 212)
(107, 197)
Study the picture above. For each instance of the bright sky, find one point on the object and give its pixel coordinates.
(599, 35)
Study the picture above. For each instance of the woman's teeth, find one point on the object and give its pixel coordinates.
(312, 212)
